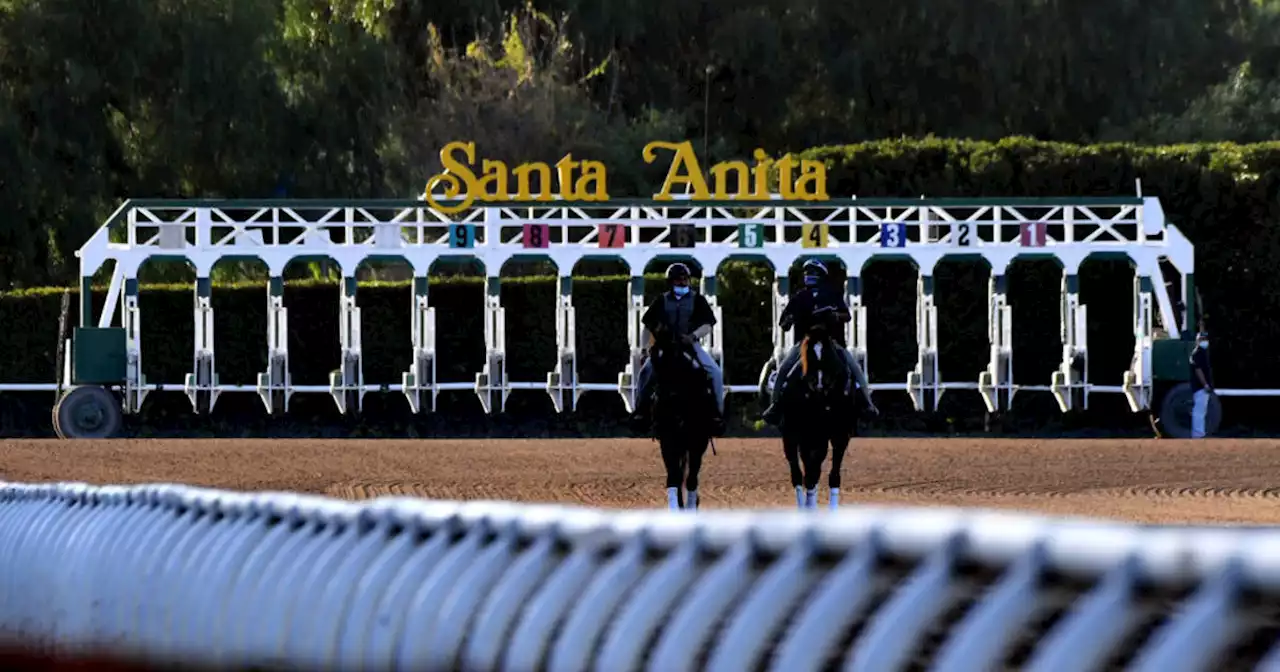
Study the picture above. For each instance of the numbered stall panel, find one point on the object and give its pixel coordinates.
(536, 236)
(612, 236)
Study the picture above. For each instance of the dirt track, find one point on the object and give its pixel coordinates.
(1150, 481)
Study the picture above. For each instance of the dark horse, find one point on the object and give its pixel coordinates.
(819, 410)
(683, 413)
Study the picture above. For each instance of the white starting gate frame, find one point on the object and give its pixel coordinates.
(853, 231)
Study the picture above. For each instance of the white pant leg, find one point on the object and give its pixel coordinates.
(1198, 412)
(717, 376)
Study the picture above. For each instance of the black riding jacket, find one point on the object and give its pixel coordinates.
(681, 315)
(804, 303)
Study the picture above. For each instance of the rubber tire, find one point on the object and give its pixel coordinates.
(53, 419)
(81, 399)
(1175, 413)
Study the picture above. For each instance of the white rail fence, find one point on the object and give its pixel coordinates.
(172, 573)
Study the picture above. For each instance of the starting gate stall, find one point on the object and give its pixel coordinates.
(854, 231)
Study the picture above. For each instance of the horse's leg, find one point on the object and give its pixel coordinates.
(838, 447)
(791, 449)
(673, 460)
(697, 449)
(814, 453)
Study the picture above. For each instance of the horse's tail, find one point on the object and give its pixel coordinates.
(804, 356)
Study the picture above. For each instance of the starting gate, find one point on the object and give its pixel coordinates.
(852, 231)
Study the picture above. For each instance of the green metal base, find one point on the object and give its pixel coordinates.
(99, 356)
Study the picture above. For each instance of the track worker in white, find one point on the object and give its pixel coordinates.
(1201, 384)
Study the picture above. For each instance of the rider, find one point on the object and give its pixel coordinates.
(686, 316)
(817, 301)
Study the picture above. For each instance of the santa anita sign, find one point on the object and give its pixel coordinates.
(588, 181)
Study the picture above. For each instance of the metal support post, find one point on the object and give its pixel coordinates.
(346, 385)
(922, 383)
(494, 376)
(275, 385)
(135, 384)
(422, 371)
(201, 385)
(1137, 380)
(856, 330)
(999, 374)
(715, 340)
(565, 376)
(1071, 380)
(783, 339)
(628, 378)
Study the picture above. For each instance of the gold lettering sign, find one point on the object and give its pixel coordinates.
(750, 183)
(573, 180)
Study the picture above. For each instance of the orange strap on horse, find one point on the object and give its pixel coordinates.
(804, 356)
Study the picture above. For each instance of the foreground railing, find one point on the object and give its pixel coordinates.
(166, 574)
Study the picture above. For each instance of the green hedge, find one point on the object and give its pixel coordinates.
(1223, 197)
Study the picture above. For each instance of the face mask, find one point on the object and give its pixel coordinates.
(810, 281)
(680, 290)
(1204, 344)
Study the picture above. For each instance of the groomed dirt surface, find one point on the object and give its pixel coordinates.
(1216, 481)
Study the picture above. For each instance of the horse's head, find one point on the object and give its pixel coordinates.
(673, 358)
(829, 405)
(684, 400)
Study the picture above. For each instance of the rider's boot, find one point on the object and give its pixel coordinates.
(717, 423)
(640, 425)
(640, 416)
(772, 415)
(641, 420)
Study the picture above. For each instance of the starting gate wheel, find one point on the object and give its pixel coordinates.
(56, 429)
(1175, 413)
(88, 412)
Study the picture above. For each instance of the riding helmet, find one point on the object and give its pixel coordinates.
(815, 268)
(677, 270)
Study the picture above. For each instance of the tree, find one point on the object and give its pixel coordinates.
(513, 92)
